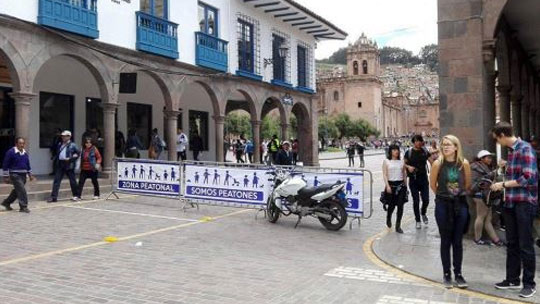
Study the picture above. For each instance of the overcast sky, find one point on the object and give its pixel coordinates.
(409, 24)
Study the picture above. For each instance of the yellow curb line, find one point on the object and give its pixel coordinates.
(372, 256)
(125, 238)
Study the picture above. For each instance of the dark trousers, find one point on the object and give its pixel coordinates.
(451, 217)
(62, 170)
(239, 158)
(419, 187)
(520, 243)
(93, 175)
(361, 160)
(181, 155)
(18, 180)
(294, 158)
(351, 160)
(397, 200)
(250, 158)
(196, 155)
(273, 156)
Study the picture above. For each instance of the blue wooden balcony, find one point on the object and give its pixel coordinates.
(156, 35)
(75, 16)
(211, 52)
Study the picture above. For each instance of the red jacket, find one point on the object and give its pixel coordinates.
(90, 156)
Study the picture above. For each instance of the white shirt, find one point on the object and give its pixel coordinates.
(181, 142)
(395, 169)
(63, 151)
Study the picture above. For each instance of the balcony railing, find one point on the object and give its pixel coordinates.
(76, 16)
(211, 52)
(157, 35)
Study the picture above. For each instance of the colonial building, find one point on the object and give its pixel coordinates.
(488, 47)
(137, 65)
(397, 100)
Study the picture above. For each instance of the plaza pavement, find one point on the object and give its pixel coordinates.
(57, 254)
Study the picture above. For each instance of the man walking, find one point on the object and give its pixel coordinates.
(16, 166)
(64, 162)
(360, 150)
(520, 206)
(273, 148)
(416, 159)
(181, 145)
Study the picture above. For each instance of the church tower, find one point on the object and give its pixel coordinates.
(363, 58)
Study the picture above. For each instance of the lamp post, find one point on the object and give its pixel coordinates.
(282, 54)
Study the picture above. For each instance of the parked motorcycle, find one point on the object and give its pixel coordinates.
(291, 195)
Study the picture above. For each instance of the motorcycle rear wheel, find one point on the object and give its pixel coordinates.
(272, 211)
(338, 213)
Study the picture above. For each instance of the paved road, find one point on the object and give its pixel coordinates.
(213, 255)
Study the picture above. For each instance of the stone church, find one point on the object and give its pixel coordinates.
(396, 100)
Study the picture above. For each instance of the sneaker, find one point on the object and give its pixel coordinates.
(418, 225)
(75, 199)
(460, 282)
(24, 210)
(447, 281)
(507, 285)
(527, 292)
(502, 228)
(96, 197)
(7, 206)
(51, 200)
(482, 242)
(425, 219)
(500, 243)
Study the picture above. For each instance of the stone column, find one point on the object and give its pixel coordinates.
(284, 129)
(220, 129)
(504, 102)
(489, 93)
(23, 100)
(516, 112)
(525, 130)
(109, 123)
(172, 124)
(532, 122)
(256, 130)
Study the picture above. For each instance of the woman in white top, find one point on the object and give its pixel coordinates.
(395, 176)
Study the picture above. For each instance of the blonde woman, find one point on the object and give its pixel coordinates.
(450, 179)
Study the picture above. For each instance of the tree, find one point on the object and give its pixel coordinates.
(396, 55)
(343, 124)
(238, 124)
(327, 128)
(338, 57)
(269, 127)
(429, 55)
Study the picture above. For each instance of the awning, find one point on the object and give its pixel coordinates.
(299, 17)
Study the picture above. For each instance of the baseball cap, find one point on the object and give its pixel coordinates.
(66, 133)
(483, 153)
(286, 143)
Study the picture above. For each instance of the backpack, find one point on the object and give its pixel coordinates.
(408, 156)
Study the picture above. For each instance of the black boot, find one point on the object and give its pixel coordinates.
(398, 227)
(388, 222)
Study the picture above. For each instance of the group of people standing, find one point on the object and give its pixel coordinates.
(453, 179)
(16, 168)
(358, 148)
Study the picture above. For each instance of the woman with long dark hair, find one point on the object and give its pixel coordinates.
(395, 180)
(450, 179)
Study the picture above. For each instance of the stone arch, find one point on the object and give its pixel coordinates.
(213, 93)
(249, 96)
(164, 83)
(91, 61)
(271, 102)
(15, 64)
(492, 21)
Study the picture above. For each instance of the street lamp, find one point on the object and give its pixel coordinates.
(282, 54)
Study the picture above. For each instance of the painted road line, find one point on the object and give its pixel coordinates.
(372, 256)
(120, 239)
(134, 213)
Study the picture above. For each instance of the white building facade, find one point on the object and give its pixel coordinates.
(135, 65)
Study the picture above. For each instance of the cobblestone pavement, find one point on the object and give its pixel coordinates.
(57, 254)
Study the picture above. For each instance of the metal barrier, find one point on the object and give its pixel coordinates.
(232, 184)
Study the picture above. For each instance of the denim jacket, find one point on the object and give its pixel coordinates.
(72, 152)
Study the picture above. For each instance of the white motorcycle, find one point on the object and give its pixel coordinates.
(291, 195)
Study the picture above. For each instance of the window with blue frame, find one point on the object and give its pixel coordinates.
(246, 46)
(277, 60)
(158, 8)
(302, 55)
(208, 19)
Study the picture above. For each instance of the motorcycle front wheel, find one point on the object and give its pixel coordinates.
(272, 211)
(338, 213)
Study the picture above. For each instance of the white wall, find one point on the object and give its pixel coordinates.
(117, 26)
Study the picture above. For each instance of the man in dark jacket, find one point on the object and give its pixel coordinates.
(64, 162)
(16, 166)
(196, 145)
(284, 156)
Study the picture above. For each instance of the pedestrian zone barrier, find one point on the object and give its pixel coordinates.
(233, 185)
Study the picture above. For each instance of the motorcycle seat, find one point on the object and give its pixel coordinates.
(308, 192)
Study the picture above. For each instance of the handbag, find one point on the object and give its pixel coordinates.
(384, 200)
